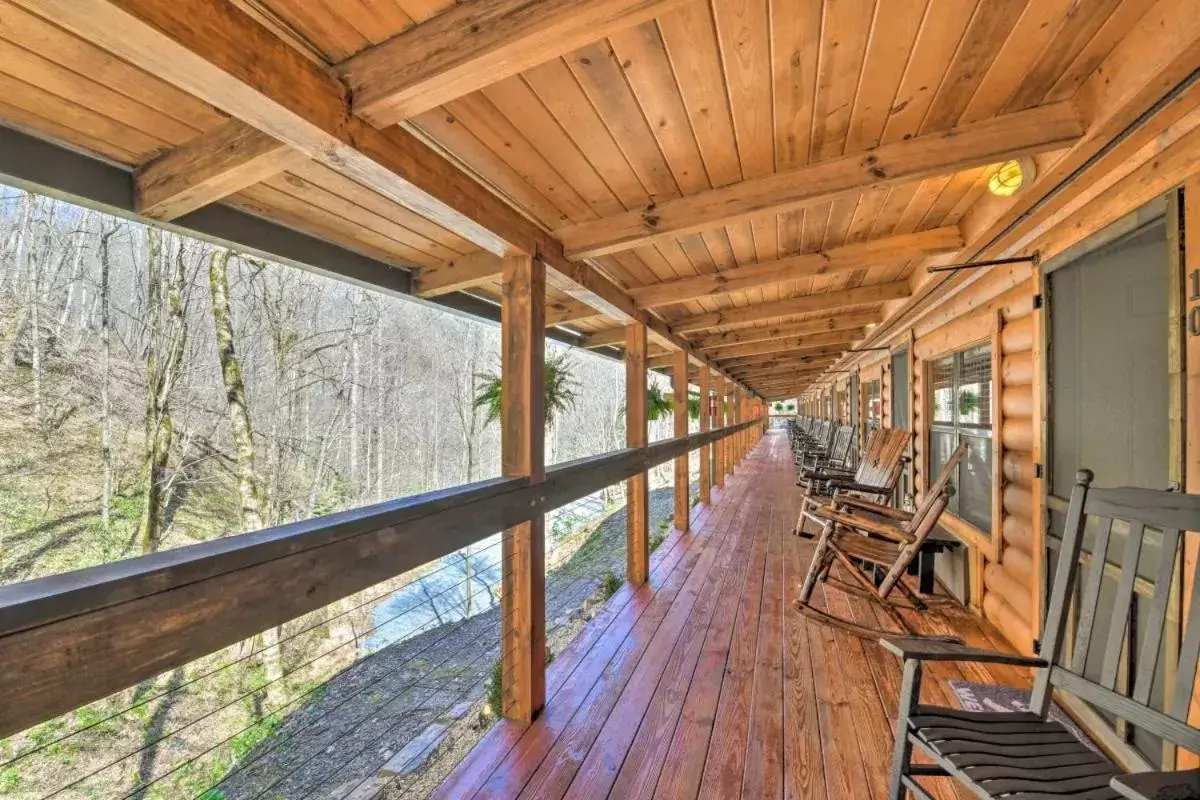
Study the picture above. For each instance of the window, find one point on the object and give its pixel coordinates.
(961, 412)
(873, 402)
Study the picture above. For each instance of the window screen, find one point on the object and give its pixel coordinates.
(961, 412)
(872, 399)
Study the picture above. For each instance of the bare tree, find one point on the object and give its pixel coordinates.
(167, 344)
(106, 448)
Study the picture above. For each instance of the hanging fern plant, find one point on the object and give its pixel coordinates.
(694, 406)
(968, 403)
(559, 389)
(658, 404)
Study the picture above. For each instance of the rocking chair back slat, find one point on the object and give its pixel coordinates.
(1060, 589)
(882, 461)
(1119, 620)
(839, 455)
(1189, 654)
(1151, 647)
(1090, 600)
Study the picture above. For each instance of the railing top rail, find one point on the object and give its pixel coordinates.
(73, 638)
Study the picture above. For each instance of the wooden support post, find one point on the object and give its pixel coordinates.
(722, 445)
(736, 410)
(705, 425)
(637, 499)
(522, 452)
(679, 379)
(731, 417)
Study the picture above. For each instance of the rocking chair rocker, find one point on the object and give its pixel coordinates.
(854, 529)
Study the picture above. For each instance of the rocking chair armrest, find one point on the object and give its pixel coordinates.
(934, 650)
(874, 508)
(850, 485)
(828, 473)
(1147, 785)
(862, 524)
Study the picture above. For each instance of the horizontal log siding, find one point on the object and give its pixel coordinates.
(1008, 582)
(1009, 585)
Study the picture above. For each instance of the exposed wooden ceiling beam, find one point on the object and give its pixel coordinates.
(776, 359)
(889, 249)
(216, 52)
(769, 370)
(559, 312)
(748, 315)
(219, 54)
(965, 147)
(476, 43)
(463, 272)
(836, 342)
(836, 322)
(766, 378)
(605, 338)
(209, 168)
(783, 384)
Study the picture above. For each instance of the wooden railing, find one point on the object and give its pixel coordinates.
(70, 639)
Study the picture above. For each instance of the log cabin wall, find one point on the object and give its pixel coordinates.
(994, 575)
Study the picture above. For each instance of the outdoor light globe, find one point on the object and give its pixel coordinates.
(1011, 176)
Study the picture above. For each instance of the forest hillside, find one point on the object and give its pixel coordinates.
(156, 391)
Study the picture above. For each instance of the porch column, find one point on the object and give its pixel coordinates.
(722, 445)
(522, 452)
(679, 378)
(637, 500)
(731, 418)
(726, 412)
(705, 425)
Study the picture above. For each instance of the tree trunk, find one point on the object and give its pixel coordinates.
(35, 346)
(167, 345)
(241, 428)
(106, 453)
(253, 510)
(355, 395)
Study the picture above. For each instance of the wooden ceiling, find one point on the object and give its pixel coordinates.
(733, 172)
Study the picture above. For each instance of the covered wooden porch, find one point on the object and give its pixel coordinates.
(706, 681)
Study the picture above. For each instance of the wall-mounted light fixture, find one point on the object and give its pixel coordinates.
(1012, 177)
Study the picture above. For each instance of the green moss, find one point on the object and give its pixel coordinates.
(609, 585)
(656, 540)
(10, 780)
(495, 696)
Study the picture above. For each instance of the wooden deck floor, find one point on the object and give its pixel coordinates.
(708, 683)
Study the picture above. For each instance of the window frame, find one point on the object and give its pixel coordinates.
(958, 429)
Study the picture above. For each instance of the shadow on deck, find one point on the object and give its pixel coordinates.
(708, 683)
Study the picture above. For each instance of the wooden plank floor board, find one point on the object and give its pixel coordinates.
(726, 762)
(764, 752)
(804, 773)
(599, 770)
(647, 753)
(707, 681)
(688, 749)
(556, 772)
(608, 627)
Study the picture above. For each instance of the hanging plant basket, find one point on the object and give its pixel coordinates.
(559, 389)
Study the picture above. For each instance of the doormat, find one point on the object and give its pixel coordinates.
(985, 697)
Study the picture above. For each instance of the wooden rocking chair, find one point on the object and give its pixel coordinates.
(836, 458)
(874, 479)
(854, 529)
(1028, 755)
